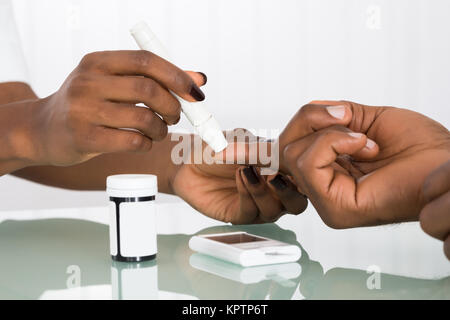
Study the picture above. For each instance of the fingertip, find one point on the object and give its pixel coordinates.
(369, 151)
(205, 78)
(243, 153)
(371, 147)
(197, 93)
(139, 143)
(199, 78)
(348, 114)
(358, 136)
(364, 148)
(341, 112)
(177, 120)
(226, 155)
(370, 144)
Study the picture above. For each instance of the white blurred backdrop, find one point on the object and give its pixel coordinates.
(263, 58)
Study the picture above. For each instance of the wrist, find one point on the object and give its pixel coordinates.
(180, 150)
(22, 133)
(19, 141)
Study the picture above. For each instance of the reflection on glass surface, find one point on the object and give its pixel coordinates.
(37, 255)
(280, 273)
(134, 281)
(46, 258)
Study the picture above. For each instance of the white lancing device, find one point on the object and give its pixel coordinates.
(198, 115)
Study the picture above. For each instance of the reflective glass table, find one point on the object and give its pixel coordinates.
(64, 254)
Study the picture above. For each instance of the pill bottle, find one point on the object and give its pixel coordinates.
(132, 228)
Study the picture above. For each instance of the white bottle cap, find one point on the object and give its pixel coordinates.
(132, 185)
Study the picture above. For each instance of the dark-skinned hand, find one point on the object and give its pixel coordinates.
(362, 165)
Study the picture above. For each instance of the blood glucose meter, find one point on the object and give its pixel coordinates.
(245, 249)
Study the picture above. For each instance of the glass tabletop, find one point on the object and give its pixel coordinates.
(64, 254)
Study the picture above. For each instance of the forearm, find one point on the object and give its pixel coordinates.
(16, 98)
(16, 108)
(91, 175)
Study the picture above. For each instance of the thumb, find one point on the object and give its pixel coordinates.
(199, 78)
(363, 116)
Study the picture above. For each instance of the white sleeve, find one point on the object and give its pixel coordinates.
(12, 60)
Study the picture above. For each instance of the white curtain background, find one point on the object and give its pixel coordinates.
(264, 58)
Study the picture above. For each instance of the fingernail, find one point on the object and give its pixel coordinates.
(196, 93)
(278, 182)
(370, 144)
(356, 135)
(205, 78)
(250, 174)
(337, 112)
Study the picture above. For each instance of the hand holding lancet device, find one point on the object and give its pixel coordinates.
(245, 249)
(205, 124)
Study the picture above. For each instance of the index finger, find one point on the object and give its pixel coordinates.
(261, 153)
(332, 193)
(147, 64)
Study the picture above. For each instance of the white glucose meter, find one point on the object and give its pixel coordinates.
(245, 249)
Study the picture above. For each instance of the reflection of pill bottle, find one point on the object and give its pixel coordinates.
(132, 228)
(134, 281)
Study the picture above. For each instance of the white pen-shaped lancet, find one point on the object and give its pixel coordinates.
(198, 115)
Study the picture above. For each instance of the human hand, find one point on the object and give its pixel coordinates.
(236, 193)
(435, 216)
(86, 116)
(362, 165)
